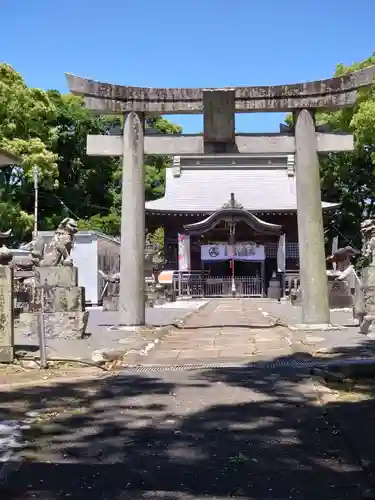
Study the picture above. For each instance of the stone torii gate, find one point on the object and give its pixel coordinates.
(218, 107)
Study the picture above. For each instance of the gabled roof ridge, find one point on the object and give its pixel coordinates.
(258, 190)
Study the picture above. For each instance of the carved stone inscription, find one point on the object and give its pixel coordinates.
(58, 299)
(56, 276)
(6, 315)
(339, 294)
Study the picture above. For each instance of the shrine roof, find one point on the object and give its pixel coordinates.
(8, 159)
(204, 184)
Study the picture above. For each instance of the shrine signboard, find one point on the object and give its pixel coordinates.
(240, 252)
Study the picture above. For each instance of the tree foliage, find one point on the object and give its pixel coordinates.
(27, 130)
(349, 178)
(47, 130)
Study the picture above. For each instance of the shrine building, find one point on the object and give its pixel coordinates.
(230, 219)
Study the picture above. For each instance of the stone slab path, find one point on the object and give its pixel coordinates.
(245, 330)
(223, 331)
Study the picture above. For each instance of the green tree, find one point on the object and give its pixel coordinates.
(154, 177)
(85, 183)
(26, 130)
(349, 177)
(48, 130)
(155, 165)
(107, 224)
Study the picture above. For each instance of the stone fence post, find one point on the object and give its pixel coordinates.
(6, 315)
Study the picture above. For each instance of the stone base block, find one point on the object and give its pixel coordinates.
(274, 292)
(6, 354)
(110, 303)
(368, 275)
(59, 299)
(339, 295)
(316, 327)
(58, 325)
(56, 276)
(298, 297)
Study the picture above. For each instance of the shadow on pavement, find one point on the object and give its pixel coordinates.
(241, 432)
(366, 346)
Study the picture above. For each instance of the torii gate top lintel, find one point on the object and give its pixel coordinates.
(331, 93)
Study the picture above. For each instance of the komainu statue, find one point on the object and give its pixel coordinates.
(5, 254)
(57, 252)
(349, 274)
(364, 297)
(368, 239)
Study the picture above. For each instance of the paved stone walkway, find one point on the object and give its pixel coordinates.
(223, 331)
(244, 330)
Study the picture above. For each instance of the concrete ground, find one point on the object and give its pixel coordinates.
(292, 314)
(178, 435)
(166, 430)
(342, 342)
(102, 336)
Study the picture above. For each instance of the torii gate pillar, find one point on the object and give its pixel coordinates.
(313, 276)
(132, 277)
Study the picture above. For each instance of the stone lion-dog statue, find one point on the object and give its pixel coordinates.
(368, 236)
(57, 252)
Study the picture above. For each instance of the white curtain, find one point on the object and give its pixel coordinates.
(184, 252)
(281, 254)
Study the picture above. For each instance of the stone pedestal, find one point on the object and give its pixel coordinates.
(368, 282)
(339, 295)
(274, 288)
(359, 300)
(57, 295)
(152, 295)
(6, 315)
(56, 276)
(110, 303)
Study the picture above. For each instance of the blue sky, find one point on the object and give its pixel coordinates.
(185, 43)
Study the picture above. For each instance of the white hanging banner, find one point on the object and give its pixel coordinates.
(240, 252)
(335, 244)
(335, 247)
(281, 254)
(183, 252)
